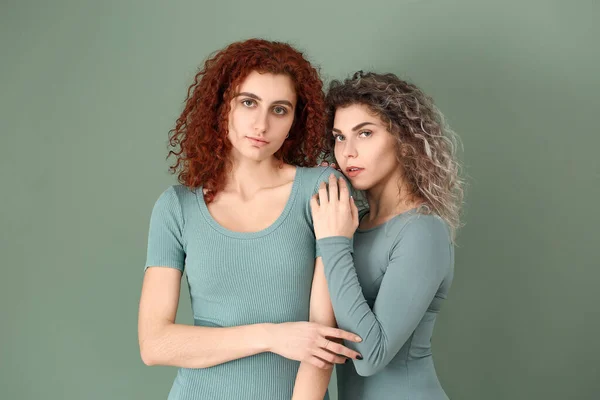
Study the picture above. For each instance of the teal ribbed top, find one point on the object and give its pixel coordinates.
(239, 279)
(389, 292)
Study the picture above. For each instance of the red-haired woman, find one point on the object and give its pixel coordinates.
(239, 225)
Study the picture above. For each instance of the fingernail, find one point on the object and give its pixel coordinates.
(358, 339)
(359, 357)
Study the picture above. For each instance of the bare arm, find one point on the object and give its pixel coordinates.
(312, 381)
(163, 342)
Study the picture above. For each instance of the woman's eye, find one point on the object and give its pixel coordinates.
(365, 133)
(338, 138)
(248, 102)
(280, 110)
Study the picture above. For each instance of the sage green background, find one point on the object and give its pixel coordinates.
(89, 89)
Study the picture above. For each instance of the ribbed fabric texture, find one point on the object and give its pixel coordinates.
(388, 288)
(239, 279)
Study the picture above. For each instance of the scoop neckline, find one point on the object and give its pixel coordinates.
(410, 211)
(255, 234)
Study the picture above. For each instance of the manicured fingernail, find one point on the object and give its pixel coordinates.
(358, 339)
(359, 357)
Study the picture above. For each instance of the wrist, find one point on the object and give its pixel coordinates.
(265, 337)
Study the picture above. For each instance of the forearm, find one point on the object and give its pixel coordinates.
(311, 382)
(351, 308)
(201, 347)
(412, 277)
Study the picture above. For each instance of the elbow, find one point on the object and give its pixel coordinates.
(150, 350)
(364, 369)
(372, 363)
(152, 345)
(148, 355)
(149, 361)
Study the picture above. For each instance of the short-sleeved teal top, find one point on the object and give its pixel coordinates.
(239, 279)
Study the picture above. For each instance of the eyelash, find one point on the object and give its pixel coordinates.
(336, 136)
(285, 111)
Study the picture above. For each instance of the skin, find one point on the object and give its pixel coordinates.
(362, 140)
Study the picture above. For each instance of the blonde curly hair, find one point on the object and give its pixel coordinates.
(426, 146)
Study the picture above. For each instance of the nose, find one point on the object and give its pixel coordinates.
(349, 149)
(261, 122)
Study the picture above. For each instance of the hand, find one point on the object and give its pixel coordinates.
(332, 165)
(334, 214)
(313, 343)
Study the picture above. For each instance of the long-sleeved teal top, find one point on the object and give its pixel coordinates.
(239, 278)
(388, 288)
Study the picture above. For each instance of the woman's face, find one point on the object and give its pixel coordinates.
(262, 113)
(364, 149)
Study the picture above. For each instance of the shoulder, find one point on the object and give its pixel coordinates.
(175, 199)
(175, 193)
(423, 231)
(317, 173)
(313, 176)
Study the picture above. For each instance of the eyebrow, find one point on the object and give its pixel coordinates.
(357, 127)
(255, 97)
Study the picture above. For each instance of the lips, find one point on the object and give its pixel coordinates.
(256, 141)
(353, 171)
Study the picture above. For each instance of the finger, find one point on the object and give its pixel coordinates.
(325, 163)
(340, 334)
(330, 357)
(314, 203)
(333, 190)
(323, 196)
(343, 351)
(317, 362)
(354, 211)
(333, 165)
(344, 192)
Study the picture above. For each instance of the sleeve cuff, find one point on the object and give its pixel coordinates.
(334, 243)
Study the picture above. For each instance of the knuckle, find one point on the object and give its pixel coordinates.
(338, 348)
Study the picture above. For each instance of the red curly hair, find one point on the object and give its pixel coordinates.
(199, 140)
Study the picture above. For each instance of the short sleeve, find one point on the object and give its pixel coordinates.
(165, 235)
(324, 177)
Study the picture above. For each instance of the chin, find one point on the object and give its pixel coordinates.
(360, 185)
(257, 155)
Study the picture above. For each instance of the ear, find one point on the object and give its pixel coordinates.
(403, 150)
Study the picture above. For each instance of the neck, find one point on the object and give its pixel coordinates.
(388, 198)
(249, 176)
